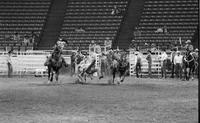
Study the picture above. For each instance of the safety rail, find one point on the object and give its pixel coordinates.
(27, 63)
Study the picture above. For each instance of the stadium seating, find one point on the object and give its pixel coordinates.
(22, 17)
(95, 18)
(180, 18)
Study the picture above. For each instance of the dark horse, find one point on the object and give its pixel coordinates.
(118, 65)
(188, 65)
(54, 64)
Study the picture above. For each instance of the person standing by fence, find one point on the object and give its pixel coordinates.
(178, 61)
(138, 63)
(163, 60)
(9, 63)
(149, 59)
(172, 61)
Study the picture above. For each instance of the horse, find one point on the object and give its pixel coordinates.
(189, 65)
(86, 68)
(118, 64)
(54, 63)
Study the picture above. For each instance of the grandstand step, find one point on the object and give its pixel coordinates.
(53, 25)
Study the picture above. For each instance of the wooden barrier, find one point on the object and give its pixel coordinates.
(156, 64)
(27, 63)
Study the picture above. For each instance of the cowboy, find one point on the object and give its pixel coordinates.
(92, 46)
(178, 61)
(57, 50)
(149, 59)
(173, 53)
(138, 63)
(117, 55)
(9, 63)
(196, 57)
(188, 45)
(196, 54)
(163, 60)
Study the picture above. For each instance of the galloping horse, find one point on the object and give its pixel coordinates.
(189, 65)
(54, 64)
(118, 65)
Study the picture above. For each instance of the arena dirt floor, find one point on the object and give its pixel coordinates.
(29, 100)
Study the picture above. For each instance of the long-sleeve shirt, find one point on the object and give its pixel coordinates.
(163, 56)
(149, 58)
(178, 59)
(8, 59)
(138, 59)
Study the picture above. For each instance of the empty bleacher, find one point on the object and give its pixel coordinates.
(22, 17)
(95, 18)
(180, 18)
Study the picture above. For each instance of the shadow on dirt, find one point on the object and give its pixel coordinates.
(93, 84)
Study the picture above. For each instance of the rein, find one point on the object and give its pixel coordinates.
(188, 61)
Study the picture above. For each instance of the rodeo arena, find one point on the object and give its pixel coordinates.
(99, 61)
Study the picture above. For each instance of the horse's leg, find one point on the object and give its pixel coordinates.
(114, 72)
(124, 75)
(85, 77)
(51, 76)
(49, 72)
(192, 72)
(56, 75)
(187, 74)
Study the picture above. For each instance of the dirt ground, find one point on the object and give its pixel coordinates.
(29, 100)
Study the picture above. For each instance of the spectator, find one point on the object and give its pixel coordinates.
(9, 63)
(92, 46)
(16, 37)
(33, 36)
(137, 32)
(138, 64)
(149, 59)
(115, 11)
(159, 30)
(19, 48)
(178, 61)
(163, 60)
(165, 30)
(34, 39)
(173, 53)
(26, 40)
(79, 29)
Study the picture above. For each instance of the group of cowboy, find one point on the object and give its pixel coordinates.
(176, 57)
(177, 60)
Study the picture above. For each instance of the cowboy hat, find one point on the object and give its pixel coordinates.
(188, 41)
(136, 53)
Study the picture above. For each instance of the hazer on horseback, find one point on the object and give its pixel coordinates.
(119, 64)
(189, 61)
(55, 61)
